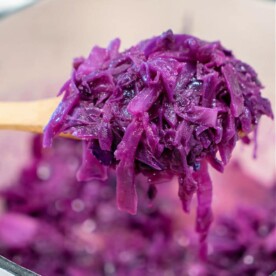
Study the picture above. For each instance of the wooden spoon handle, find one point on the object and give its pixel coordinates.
(29, 116)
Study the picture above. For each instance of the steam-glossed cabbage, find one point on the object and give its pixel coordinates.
(167, 106)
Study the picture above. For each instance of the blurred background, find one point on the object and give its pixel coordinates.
(40, 38)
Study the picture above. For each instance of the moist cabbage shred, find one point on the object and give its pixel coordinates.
(165, 107)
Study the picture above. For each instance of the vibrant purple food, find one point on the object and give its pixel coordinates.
(165, 107)
(57, 226)
(244, 243)
(75, 231)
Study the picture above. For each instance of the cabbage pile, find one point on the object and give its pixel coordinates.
(244, 243)
(57, 226)
(75, 230)
(165, 107)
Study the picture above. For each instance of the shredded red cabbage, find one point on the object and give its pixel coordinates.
(75, 231)
(244, 243)
(55, 225)
(161, 108)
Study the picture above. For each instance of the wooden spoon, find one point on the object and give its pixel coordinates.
(33, 116)
(30, 116)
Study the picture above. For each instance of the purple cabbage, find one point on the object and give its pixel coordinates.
(164, 107)
(55, 225)
(244, 243)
